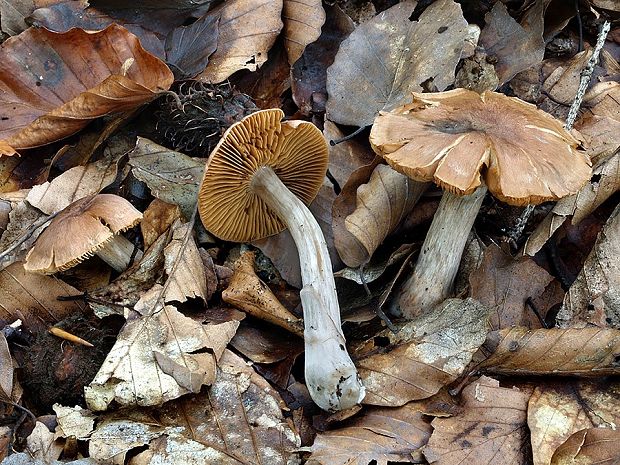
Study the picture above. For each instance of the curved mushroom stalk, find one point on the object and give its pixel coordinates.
(331, 376)
(434, 273)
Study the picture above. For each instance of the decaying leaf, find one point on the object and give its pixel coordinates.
(32, 298)
(570, 352)
(379, 435)
(6, 369)
(504, 284)
(345, 157)
(157, 219)
(375, 269)
(593, 445)
(388, 57)
(172, 176)
(42, 445)
(184, 267)
(17, 173)
(558, 410)
(491, 427)
(24, 226)
(248, 29)
(237, 421)
(74, 421)
(594, 297)
(302, 25)
(159, 355)
(13, 14)
(61, 103)
(425, 355)
(382, 204)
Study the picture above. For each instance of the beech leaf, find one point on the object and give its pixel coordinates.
(115, 74)
(389, 56)
(6, 370)
(593, 445)
(302, 25)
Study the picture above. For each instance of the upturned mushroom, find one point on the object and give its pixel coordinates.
(89, 226)
(258, 181)
(467, 142)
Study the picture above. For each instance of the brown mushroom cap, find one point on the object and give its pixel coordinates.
(459, 137)
(295, 150)
(78, 231)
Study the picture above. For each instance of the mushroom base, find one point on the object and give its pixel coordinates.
(331, 376)
(434, 273)
(118, 252)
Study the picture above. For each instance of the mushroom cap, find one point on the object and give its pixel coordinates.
(459, 138)
(295, 150)
(78, 231)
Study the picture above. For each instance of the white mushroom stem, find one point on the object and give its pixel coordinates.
(433, 276)
(331, 376)
(117, 252)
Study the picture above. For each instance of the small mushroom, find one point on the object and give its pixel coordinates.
(258, 181)
(466, 142)
(89, 226)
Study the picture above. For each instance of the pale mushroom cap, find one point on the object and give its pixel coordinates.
(295, 150)
(460, 138)
(78, 231)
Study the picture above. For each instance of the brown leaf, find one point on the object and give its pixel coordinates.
(266, 346)
(388, 57)
(157, 219)
(59, 103)
(248, 29)
(503, 284)
(309, 73)
(379, 435)
(345, 157)
(570, 352)
(594, 297)
(515, 47)
(425, 355)
(6, 369)
(25, 225)
(381, 205)
(491, 427)
(557, 411)
(302, 25)
(159, 355)
(32, 298)
(594, 445)
(22, 172)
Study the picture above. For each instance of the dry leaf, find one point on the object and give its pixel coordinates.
(594, 297)
(594, 445)
(302, 25)
(186, 273)
(388, 57)
(18, 173)
(492, 425)
(375, 269)
(570, 352)
(74, 421)
(557, 411)
(347, 156)
(63, 103)
(41, 445)
(159, 355)
(13, 14)
(25, 225)
(172, 176)
(6, 369)
(248, 29)
(238, 421)
(503, 284)
(32, 298)
(74, 184)
(382, 204)
(379, 435)
(426, 354)
(157, 219)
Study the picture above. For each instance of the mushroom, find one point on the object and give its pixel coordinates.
(258, 180)
(467, 142)
(89, 226)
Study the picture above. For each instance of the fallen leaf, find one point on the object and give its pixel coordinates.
(375, 269)
(594, 297)
(302, 25)
(503, 284)
(6, 369)
(309, 72)
(388, 57)
(74, 184)
(25, 225)
(381, 205)
(248, 29)
(41, 444)
(379, 435)
(425, 355)
(346, 157)
(13, 14)
(18, 173)
(183, 265)
(74, 421)
(159, 355)
(558, 410)
(157, 219)
(266, 346)
(514, 46)
(59, 103)
(491, 425)
(172, 176)
(569, 352)
(32, 298)
(593, 445)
